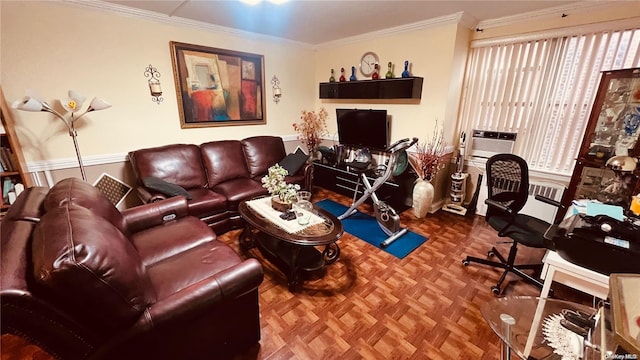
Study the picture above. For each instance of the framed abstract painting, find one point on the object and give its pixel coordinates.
(218, 87)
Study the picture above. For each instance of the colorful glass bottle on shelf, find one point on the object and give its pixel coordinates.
(375, 75)
(389, 74)
(405, 73)
(332, 78)
(353, 74)
(342, 78)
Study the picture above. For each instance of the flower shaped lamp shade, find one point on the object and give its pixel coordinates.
(71, 104)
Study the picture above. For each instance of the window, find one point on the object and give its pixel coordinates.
(543, 89)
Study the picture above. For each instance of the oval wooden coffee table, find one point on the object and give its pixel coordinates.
(292, 252)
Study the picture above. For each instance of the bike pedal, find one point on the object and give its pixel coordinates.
(574, 328)
(581, 321)
(579, 318)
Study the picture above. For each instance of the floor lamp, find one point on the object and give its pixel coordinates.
(72, 104)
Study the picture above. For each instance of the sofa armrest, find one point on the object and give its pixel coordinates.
(195, 299)
(149, 196)
(308, 176)
(155, 213)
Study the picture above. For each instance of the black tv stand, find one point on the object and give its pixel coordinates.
(341, 179)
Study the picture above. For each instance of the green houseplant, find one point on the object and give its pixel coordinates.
(282, 193)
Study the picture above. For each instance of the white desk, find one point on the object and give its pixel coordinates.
(556, 268)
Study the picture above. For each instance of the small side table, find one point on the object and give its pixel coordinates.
(558, 269)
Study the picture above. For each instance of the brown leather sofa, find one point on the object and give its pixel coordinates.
(83, 280)
(216, 175)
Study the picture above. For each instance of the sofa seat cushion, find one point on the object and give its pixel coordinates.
(237, 190)
(205, 203)
(177, 272)
(90, 266)
(160, 242)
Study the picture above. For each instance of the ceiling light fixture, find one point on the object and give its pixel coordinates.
(256, 2)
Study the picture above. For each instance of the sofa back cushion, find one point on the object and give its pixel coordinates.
(223, 160)
(262, 152)
(179, 164)
(89, 267)
(83, 194)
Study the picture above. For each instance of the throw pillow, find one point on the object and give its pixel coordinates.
(165, 188)
(293, 162)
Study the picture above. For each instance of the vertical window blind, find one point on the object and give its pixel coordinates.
(543, 89)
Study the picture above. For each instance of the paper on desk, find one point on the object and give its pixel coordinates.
(263, 207)
(595, 208)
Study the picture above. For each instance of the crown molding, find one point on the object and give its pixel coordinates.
(573, 8)
(419, 25)
(173, 20)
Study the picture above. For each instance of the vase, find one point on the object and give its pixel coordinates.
(423, 193)
(280, 205)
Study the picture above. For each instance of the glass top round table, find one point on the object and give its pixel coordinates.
(522, 322)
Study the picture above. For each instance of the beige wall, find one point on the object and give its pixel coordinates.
(431, 53)
(52, 47)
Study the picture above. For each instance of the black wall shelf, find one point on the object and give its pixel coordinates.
(401, 88)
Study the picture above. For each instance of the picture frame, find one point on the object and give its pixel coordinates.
(218, 87)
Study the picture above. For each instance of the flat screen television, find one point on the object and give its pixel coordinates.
(363, 128)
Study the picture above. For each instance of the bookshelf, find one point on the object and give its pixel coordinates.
(14, 170)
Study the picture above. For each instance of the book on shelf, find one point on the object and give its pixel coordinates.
(7, 159)
(11, 188)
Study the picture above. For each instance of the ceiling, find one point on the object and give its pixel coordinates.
(319, 21)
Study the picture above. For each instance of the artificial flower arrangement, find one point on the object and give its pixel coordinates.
(427, 159)
(312, 128)
(275, 184)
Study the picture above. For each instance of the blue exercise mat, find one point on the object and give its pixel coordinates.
(366, 228)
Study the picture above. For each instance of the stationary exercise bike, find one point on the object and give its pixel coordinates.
(388, 219)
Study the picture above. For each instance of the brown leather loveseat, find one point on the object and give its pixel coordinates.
(216, 176)
(84, 280)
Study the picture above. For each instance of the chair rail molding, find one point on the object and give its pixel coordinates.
(67, 163)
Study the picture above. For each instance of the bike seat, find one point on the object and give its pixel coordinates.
(358, 165)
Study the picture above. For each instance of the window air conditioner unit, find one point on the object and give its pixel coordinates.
(485, 144)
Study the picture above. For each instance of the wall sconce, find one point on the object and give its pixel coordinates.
(277, 92)
(71, 104)
(154, 84)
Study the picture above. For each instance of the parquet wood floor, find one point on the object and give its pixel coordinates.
(372, 305)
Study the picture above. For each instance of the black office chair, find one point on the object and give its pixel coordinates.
(508, 190)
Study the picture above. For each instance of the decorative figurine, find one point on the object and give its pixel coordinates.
(405, 73)
(342, 78)
(375, 75)
(353, 74)
(389, 74)
(332, 78)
